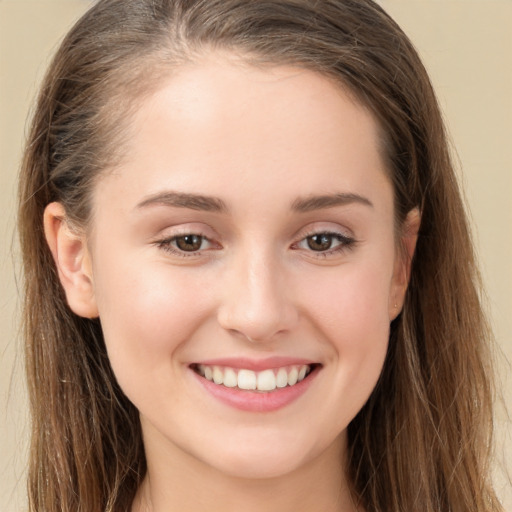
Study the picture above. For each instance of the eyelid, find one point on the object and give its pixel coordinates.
(316, 228)
(167, 240)
(346, 238)
(167, 244)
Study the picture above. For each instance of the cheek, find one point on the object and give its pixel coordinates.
(350, 311)
(146, 311)
(351, 300)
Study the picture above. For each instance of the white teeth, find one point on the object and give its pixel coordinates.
(218, 376)
(282, 378)
(266, 380)
(246, 379)
(230, 379)
(292, 376)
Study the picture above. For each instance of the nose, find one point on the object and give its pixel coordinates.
(257, 302)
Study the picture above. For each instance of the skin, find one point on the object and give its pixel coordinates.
(260, 141)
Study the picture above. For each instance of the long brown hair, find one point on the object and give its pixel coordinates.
(422, 441)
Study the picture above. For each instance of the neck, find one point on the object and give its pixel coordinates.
(179, 482)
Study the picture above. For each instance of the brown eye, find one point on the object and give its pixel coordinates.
(320, 242)
(325, 243)
(189, 243)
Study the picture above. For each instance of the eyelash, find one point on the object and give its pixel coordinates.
(345, 243)
(167, 245)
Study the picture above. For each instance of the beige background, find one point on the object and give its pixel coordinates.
(466, 45)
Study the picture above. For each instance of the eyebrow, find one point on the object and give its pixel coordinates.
(312, 203)
(215, 204)
(184, 200)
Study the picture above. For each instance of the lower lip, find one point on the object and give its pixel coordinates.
(258, 401)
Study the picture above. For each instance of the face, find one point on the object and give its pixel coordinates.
(243, 262)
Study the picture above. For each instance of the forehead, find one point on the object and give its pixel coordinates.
(221, 124)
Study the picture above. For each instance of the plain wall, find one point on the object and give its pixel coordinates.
(467, 47)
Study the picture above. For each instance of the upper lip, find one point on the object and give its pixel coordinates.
(256, 365)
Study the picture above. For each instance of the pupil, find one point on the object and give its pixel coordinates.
(320, 242)
(189, 242)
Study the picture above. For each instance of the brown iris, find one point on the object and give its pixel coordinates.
(189, 243)
(320, 242)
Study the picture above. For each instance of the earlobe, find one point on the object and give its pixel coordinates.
(402, 272)
(72, 259)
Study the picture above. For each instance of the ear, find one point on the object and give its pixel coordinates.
(402, 270)
(72, 258)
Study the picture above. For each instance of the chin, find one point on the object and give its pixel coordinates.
(259, 466)
(272, 456)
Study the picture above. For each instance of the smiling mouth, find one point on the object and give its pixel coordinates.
(249, 380)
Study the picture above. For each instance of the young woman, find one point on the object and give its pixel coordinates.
(249, 278)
